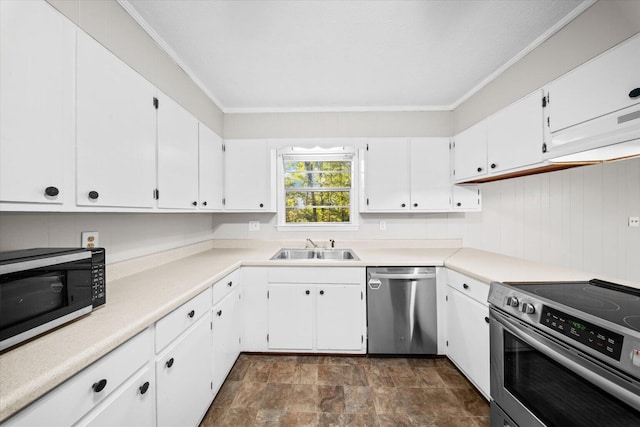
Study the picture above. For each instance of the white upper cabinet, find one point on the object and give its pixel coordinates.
(37, 95)
(116, 131)
(177, 156)
(407, 175)
(210, 188)
(471, 153)
(430, 180)
(247, 175)
(515, 134)
(599, 87)
(387, 178)
(597, 105)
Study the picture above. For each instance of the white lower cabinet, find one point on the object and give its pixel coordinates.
(227, 331)
(184, 377)
(316, 309)
(134, 404)
(467, 334)
(93, 386)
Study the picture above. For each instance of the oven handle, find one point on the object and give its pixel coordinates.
(615, 390)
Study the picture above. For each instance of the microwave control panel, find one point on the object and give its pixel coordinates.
(98, 277)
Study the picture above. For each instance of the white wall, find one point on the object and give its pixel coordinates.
(123, 235)
(575, 218)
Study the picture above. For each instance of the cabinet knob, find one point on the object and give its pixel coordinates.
(403, 205)
(204, 203)
(486, 319)
(230, 284)
(169, 363)
(194, 203)
(634, 93)
(51, 191)
(219, 313)
(464, 285)
(307, 292)
(415, 205)
(544, 148)
(191, 313)
(479, 169)
(493, 166)
(261, 205)
(144, 387)
(93, 195)
(458, 204)
(99, 386)
(321, 292)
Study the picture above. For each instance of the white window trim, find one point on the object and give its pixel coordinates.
(281, 224)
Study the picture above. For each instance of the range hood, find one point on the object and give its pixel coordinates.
(610, 137)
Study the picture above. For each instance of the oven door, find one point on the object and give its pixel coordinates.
(539, 381)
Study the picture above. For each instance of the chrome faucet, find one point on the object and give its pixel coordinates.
(312, 242)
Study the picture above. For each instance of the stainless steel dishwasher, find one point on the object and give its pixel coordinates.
(401, 310)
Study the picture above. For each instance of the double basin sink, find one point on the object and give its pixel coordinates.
(316, 253)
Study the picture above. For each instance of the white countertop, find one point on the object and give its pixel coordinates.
(136, 301)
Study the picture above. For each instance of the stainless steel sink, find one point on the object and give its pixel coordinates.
(332, 254)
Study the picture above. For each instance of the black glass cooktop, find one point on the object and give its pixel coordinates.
(609, 301)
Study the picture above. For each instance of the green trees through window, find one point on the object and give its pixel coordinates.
(317, 191)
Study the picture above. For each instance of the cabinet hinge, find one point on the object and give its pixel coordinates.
(211, 385)
(156, 194)
(156, 103)
(362, 339)
(224, 201)
(361, 295)
(544, 147)
(544, 101)
(224, 148)
(267, 294)
(454, 172)
(446, 298)
(367, 147)
(447, 343)
(548, 122)
(211, 323)
(367, 201)
(239, 340)
(267, 337)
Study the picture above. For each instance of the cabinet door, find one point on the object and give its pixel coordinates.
(184, 378)
(177, 156)
(247, 179)
(430, 181)
(290, 316)
(471, 152)
(133, 404)
(515, 134)
(468, 337)
(116, 131)
(227, 323)
(37, 82)
(254, 309)
(596, 88)
(339, 317)
(210, 169)
(387, 175)
(466, 198)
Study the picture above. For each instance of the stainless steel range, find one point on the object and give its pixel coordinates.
(565, 354)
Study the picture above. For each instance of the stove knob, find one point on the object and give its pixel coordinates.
(512, 301)
(528, 308)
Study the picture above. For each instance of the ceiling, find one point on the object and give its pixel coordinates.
(347, 55)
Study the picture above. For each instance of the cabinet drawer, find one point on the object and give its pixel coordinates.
(133, 404)
(81, 393)
(471, 287)
(173, 324)
(223, 286)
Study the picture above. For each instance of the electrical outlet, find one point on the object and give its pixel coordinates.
(89, 239)
(383, 225)
(634, 221)
(254, 225)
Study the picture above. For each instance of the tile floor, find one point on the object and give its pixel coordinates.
(283, 390)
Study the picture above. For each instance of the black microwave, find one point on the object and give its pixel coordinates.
(43, 288)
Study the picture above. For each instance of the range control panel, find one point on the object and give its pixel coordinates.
(600, 339)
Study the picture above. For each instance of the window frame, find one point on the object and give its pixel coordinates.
(329, 154)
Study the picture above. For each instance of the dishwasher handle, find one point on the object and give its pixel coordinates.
(375, 284)
(401, 276)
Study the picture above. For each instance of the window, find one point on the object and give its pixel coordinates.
(316, 187)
